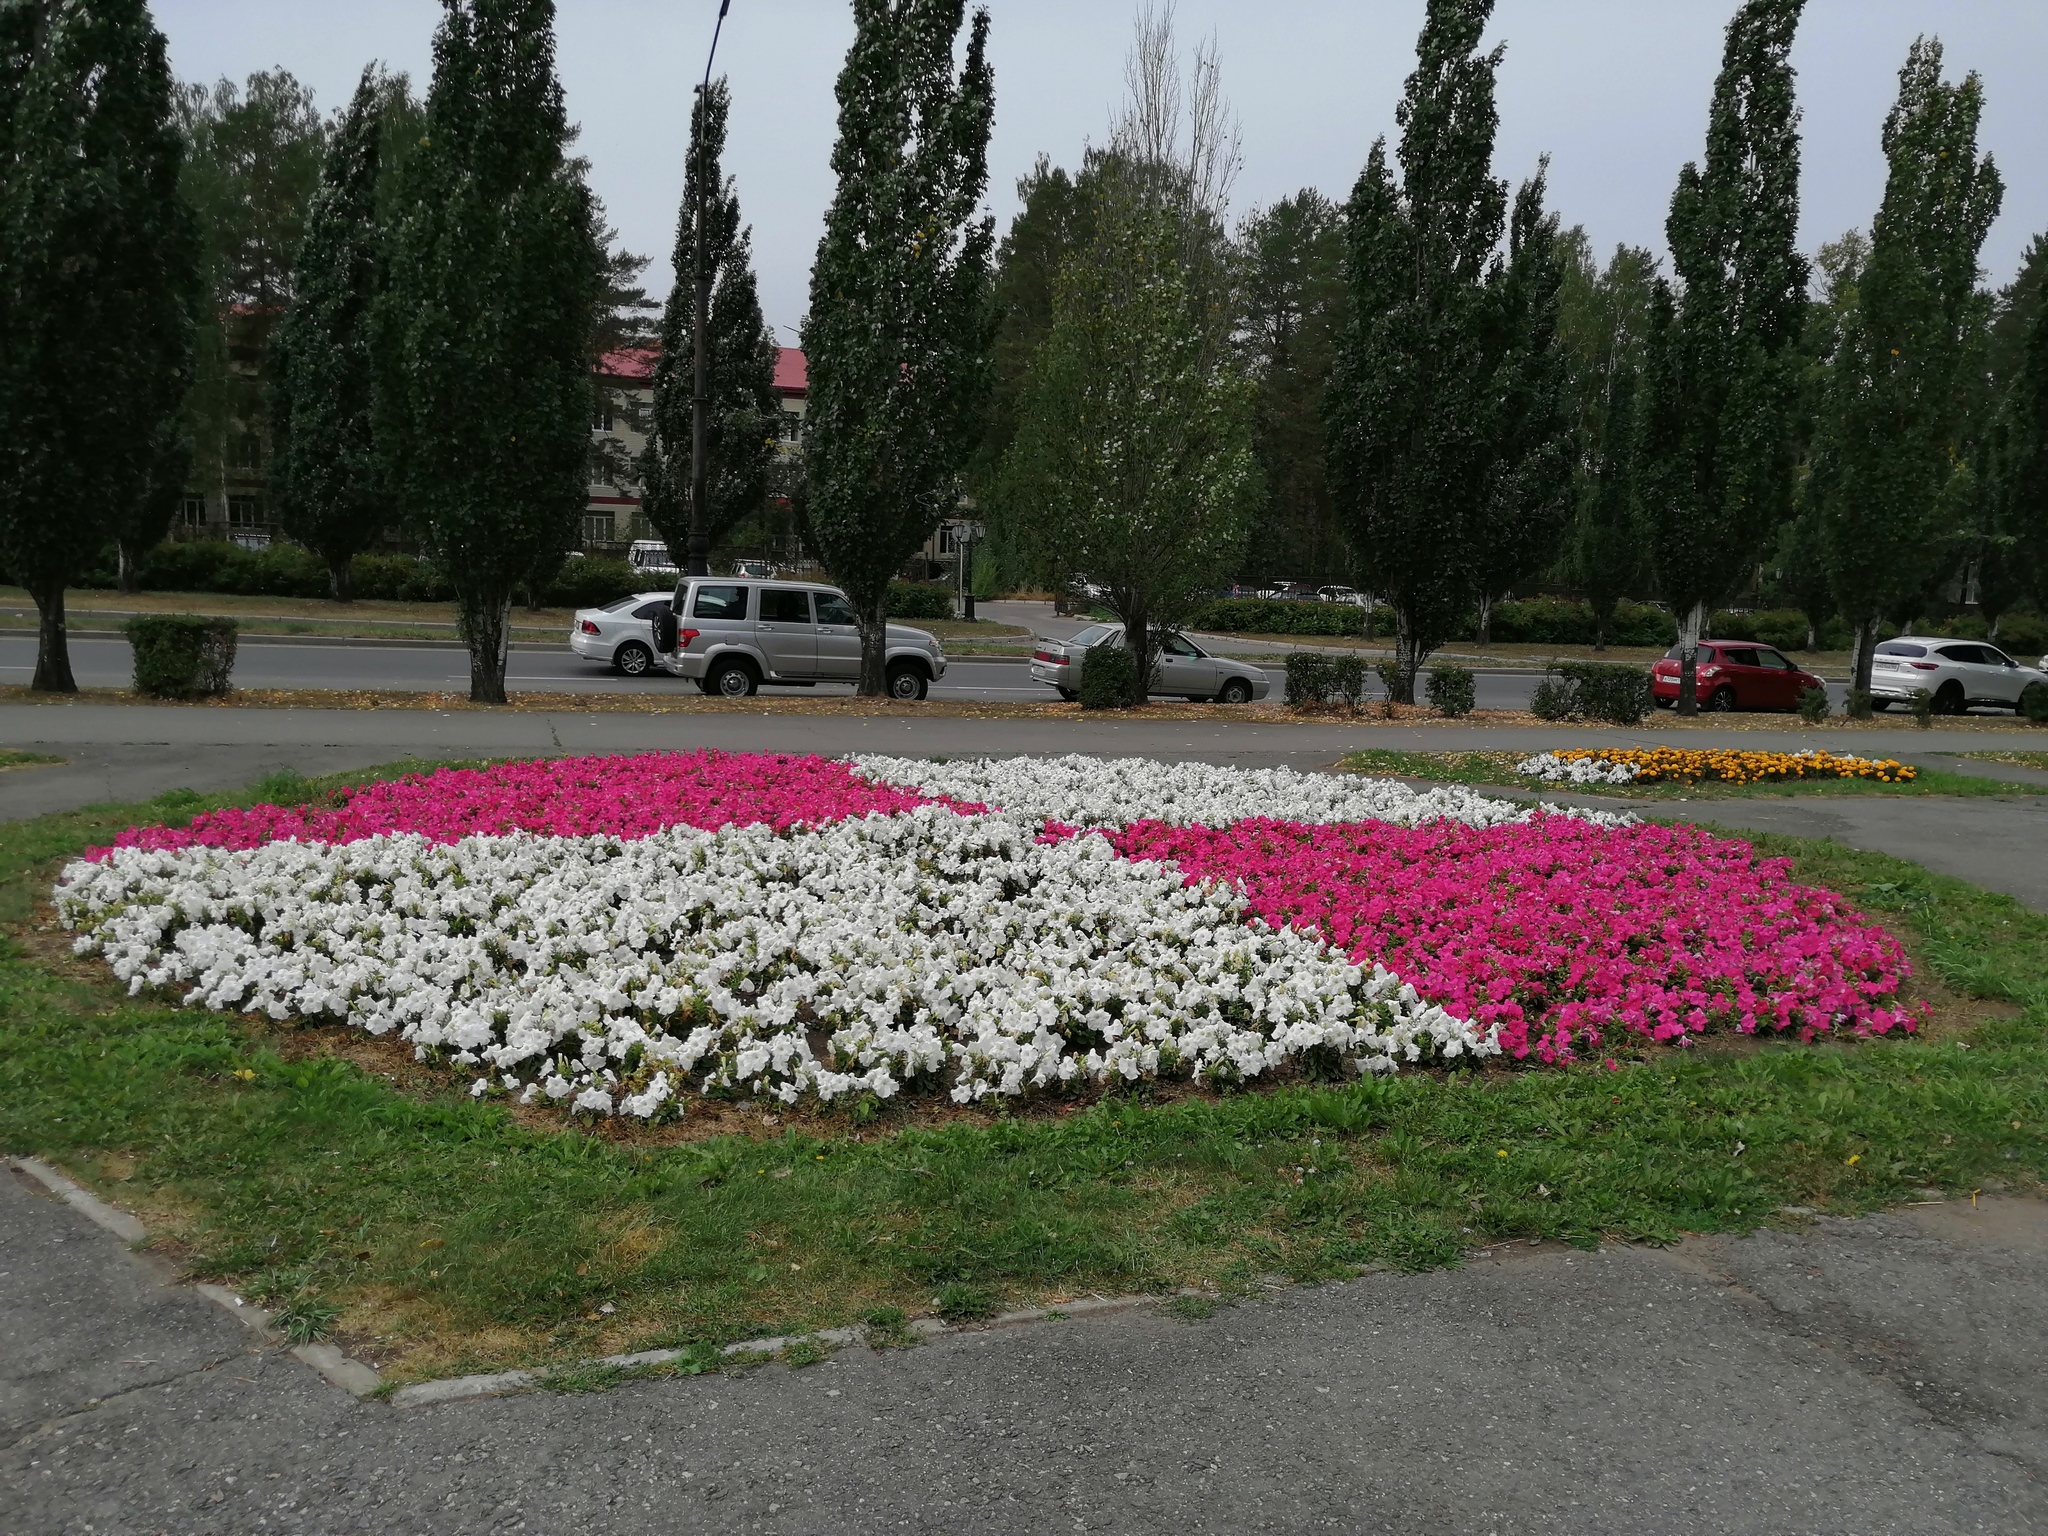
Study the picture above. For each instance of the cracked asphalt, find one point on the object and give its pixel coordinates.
(1831, 1376)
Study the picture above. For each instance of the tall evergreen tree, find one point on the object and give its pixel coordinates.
(898, 331)
(1291, 282)
(1891, 467)
(2013, 312)
(742, 413)
(2019, 481)
(1606, 545)
(98, 261)
(1721, 385)
(329, 485)
(1426, 420)
(484, 392)
(1799, 572)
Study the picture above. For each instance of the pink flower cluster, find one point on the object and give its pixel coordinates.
(1559, 931)
(627, 797)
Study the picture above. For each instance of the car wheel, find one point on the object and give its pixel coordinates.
(1070, 694)
(731, 679)
(1949, 700)
(1235, 691)
(1722, 701)
(633, 659)
(907, 681)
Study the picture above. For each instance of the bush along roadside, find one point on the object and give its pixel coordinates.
(180, 656)
(1109, 678)
(1593, 690)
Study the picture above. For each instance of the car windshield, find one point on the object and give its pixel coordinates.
(1176, 645)
(1094, 634)
(1900, 648)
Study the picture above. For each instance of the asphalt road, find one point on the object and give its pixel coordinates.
(1870, 1377)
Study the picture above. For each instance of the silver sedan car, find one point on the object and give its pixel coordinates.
(1184, 667)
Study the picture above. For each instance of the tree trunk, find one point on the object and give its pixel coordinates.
(1486, 621)
(1599, 631)
(129, 561)
(873, 622)
(1401, 687)
(1991, 634)
(1862, 652)
(487, 626)
(53, 650)
(1812, 635)
(1689, 659)
(341, 578)
(1141, 642)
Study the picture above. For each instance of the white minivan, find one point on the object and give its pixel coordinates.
(730, 636)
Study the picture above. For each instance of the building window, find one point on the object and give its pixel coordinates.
(245, 512)
(192, 511)
(597, 528)
(247, 452)
(792, 427)
(601, 421)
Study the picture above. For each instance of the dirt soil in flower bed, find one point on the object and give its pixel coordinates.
(523, 702)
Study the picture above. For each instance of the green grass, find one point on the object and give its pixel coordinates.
(2012, 759)
(1499, 768)
(466, 1240)
(11, 759)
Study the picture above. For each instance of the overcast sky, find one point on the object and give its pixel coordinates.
(1615, 90)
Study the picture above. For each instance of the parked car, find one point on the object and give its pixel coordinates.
(1734, 674)
(620, 634)
(756, 570)
(1184, 667)
(1959, 673)
(1350, 596)
(651, 557)
(730, 636)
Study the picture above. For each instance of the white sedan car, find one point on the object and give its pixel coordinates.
(1182, 667)
(620, 634)
(1960, 674)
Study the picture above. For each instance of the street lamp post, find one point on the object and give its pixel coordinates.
(697, 558)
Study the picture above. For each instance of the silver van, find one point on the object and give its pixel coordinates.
(729, 636)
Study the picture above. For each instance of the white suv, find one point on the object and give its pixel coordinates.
(730, 636)
(1959, 673)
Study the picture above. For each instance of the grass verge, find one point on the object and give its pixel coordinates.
(2037, 760)
(9, 759)
(432, 1235)
(1499, 768)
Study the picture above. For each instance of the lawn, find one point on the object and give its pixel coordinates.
(10, 759)
(348, 1186)
(1499, 768)
(2036, 760)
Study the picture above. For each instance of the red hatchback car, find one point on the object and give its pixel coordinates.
(1734, 674)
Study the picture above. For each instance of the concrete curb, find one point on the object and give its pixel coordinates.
(457, 1389)
(352, 1376)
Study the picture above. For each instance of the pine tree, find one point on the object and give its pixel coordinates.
(1891, 464)
(1440, 374)
(484, 392)
(98, 261)
(742, 414)
(1721, 385)
(327, 479)
(898, 331)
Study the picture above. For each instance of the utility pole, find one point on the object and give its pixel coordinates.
(697, 559)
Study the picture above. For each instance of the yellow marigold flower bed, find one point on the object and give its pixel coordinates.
(1694, 765)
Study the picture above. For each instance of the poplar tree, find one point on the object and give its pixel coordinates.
(98, 276)
(1721, 386)
(329, 484)
(484, 392)
(1437, 387)
(1891, 467)
(743, 414)
(2019, 490)
(899, 325)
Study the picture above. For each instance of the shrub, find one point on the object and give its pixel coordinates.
(1274, 616)
(399, 579)
(1109, 678)
(1553, 699)
(1922, 705)
(1610, 691)
(1814, 706)
(1859, 706)
(1562, 621)
(920, 600)
(593, 583)
(1347, 679)
(1308, 678)
(181, 656)
(1391, 677)
(2026, 633)
(964, 1303)
(1451, 690)
(2034, 703)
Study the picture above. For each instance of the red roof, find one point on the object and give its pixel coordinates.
(792, 373)
(633, 363)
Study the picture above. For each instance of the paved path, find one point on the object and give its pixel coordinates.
(120, 753)
(1872, 1377)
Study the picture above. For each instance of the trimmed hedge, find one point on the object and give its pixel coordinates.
(1452, 690)
(182, 656)
(1593, 690)
(920, 600)
(1273, 616)
(1109, 678)
(591, 583)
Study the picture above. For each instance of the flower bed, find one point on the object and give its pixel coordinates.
(620, 934)
(1717, 765)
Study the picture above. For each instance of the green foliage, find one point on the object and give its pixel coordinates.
(484, 392)
(1275, 616)
(920, 600)
(1308, 679)
(328, 482)
(1721, 378)
(181, 656)
(2017, 496)
(1135, 447)
(1796, 573)
(1813, 705)
(1552, 699)
(1109, 678)
(1347, 680)
(742, 414)
(1892, 473)
(1859, 705)
(591, 583)
(962, 1302)
(898, 329)
(98, 278)
(1560, 621)
(1451, 690)
(1921, 703)
(2034, 703)
(1593, 690)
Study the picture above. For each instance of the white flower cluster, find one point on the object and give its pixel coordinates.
(1552, 769)
(923, 950)
(1110, 792)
